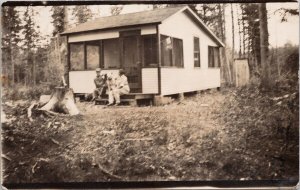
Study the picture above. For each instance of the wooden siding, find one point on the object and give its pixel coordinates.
(83, 81)
(178, 80)
(181, 26)
(241, 72)
(150, 80)
(98, 35)
(189, 78)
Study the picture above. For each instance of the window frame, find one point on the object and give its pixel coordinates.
(172, 56)
(212, 50)
(198, 52)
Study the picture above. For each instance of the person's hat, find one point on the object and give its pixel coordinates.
(98, 70)
(122, 72)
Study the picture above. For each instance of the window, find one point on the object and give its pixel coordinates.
(196, 52)
(178, 52)
(166, 51)
(150, 50)
(77, 56)
(213, 56)
(171, 51)
(111, 53)
(93, 55)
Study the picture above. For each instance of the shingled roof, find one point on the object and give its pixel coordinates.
(139, 18)
(131, 19)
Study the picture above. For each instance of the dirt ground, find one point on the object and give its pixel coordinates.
(208, 136)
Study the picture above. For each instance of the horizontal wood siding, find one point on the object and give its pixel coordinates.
(181, 26)
(149, 80)
(189, 78)
(98, 35)
(83, 81)
(176, 80)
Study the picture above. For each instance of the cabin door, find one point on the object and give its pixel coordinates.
(132, 62)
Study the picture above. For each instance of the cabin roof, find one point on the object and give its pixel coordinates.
(155, 16)
(130, 19)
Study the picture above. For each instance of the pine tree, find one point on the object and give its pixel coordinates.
(58, 16)
(82, 14)
(10, 38)
(264, 43)
(251, 30)
(30, 45)
(210, 14)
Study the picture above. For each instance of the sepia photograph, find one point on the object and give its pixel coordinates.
(144, 92)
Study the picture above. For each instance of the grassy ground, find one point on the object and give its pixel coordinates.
(209, 136)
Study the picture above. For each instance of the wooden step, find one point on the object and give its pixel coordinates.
(136, 96)
(102, 101)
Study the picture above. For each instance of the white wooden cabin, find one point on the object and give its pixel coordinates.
(163, 52)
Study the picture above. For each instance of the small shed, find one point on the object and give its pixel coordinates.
(163, 51)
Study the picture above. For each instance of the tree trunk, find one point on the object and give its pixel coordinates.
(232, 23)
(33, 70)
(244, 32)
(12, 69)
(62, 101)
(263, 23)
(240, 38)
(226, 65)
(66, 18)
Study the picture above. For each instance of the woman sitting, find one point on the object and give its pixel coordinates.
(120, 87)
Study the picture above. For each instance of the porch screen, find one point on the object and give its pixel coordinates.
(111, 54)
(171, 51)
(213, 56)
(93, 55)
(150, 50)
(76, 57)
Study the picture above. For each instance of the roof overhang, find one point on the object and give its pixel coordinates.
(186, 9)
(202, 25)
(110, 28)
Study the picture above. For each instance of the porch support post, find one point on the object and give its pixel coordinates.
(158, 59)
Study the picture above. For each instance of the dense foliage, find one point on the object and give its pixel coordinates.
(58, 16)
(82, 14)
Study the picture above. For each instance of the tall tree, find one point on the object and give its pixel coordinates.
(251, 30)
(116, 9)
(82, 13)
(30, 44)
(10, 38)
(264, 43)
(210, 14)
(232, 30)
(58, 19)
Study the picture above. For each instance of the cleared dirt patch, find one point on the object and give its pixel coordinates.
(203, 137)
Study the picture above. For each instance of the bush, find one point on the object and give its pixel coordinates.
(25, 93)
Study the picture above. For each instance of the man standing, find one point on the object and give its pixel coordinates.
(99, 83)
(122, 88)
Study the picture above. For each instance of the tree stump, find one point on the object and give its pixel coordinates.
(62, 101)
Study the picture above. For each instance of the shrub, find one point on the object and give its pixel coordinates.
(25, 93)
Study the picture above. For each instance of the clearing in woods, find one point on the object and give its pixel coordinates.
(206, 136)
